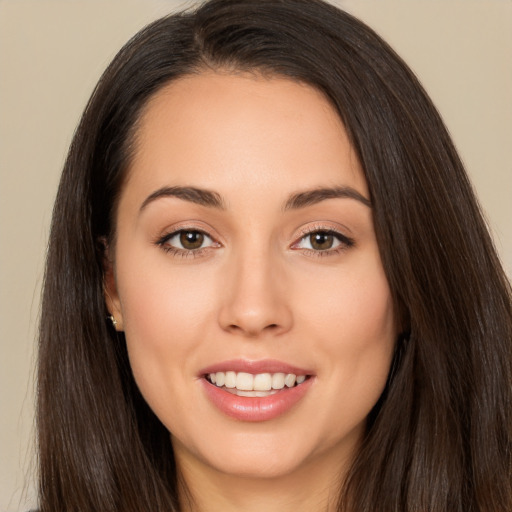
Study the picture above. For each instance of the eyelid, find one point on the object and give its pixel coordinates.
(187, 225)
(174, 234)
(322, 226)
(172, 231)
(345, 241)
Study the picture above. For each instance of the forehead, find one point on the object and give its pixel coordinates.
(223, 131)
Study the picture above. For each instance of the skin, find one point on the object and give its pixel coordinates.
(256, 289)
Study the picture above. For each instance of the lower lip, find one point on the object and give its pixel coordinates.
(245, 408)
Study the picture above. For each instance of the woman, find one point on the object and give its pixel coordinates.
(269, 284)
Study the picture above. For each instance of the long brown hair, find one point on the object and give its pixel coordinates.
(439, 438)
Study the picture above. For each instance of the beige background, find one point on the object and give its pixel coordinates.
(53, 51)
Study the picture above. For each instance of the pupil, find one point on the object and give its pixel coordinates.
(191, 239)
(321, 241)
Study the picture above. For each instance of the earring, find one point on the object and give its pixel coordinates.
(113, 320)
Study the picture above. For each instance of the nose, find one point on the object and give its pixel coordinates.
(255, 300)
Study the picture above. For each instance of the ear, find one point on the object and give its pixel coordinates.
(110, 288)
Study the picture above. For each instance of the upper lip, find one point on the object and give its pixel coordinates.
(254, 367)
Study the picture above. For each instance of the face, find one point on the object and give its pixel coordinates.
(247, 277)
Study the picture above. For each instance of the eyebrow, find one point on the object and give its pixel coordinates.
(192, 194)
(296, 201)
(311, 197)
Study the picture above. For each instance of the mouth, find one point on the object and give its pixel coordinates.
(254, 385)
(256, 391)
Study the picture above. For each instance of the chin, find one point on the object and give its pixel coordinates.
(276, 453)
(257, 465)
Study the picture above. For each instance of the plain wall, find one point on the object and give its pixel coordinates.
(53, 51)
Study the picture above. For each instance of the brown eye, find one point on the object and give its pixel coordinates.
(191, 240)
(187, 240)
(321, 240)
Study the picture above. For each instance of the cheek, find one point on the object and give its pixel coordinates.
(352, 319)
(353, 305)
(164, 313)
(159, 297)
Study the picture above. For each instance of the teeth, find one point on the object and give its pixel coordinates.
(244, 381)
(252, 393)
(278, 381)
(246, 384)
(230, 380)
(220, 377)
(289, 380)
(262, 382)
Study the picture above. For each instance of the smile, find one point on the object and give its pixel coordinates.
(249, 385)
(255, 390)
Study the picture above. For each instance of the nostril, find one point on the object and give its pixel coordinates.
(255, 331)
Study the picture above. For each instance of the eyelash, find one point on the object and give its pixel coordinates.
(184, 253)
(344, 243)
